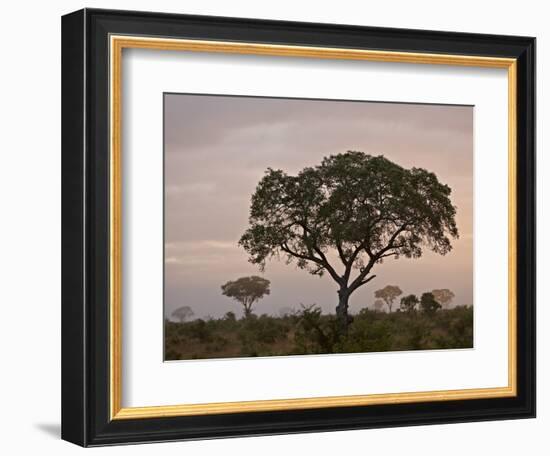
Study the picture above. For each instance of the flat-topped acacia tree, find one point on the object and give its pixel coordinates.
(183, 313)
(247, 291)
(347, 214)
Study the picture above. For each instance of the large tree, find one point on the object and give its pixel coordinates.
(388, 294)
(247, 291)
(347, 214)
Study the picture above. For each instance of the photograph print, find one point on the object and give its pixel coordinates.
(315, 227)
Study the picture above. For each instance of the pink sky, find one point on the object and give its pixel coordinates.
(216, 151)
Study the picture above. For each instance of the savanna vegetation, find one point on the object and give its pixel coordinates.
(364, 209)
(339, 219)
(308, 331)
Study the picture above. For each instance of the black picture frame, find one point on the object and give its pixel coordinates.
(85, 225)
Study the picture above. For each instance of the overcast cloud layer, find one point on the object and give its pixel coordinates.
(216, 151)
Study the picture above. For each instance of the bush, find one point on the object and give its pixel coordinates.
(309, 331)
(315, 333)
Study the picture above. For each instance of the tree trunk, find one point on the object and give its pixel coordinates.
(344, 319)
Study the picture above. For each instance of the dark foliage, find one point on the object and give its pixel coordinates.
(247, 291)
(362, 208)
(428, 303)
(409, 303)
(308, 331)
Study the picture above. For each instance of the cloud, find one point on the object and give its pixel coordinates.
(217, 149)
(191, 188)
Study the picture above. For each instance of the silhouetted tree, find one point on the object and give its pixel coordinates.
(428, 304)
(443, 296)
(247, 291)
(388, 294)
(183, 313)
(230, 316)
(409, 303)
(362, 207)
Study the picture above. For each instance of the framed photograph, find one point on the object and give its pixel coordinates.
(279, 227)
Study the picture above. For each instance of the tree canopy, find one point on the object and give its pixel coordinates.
(247, 291)
(408, 303)
(363, 208)
(388, 294)
(428, 304)
(183, 313)
(443, 296)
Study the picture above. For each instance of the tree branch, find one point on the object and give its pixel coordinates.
(391, 241)
(363, 282)
(327, 265)
(354, 255)
(285, 248)
(320, 261)
(323, 260)
(341, 253)
(360, 278)
(387, 255)
(364, 245)
(374, 258)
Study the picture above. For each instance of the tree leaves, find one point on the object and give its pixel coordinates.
(388, 294)
(183, 313)
(247, 290)
(363, 208)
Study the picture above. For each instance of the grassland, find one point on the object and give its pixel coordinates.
(310, 332)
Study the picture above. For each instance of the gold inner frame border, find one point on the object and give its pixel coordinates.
(117, 44)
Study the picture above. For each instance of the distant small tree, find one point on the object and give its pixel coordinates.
(388, 294)
(229, 316)
(409, 303)
(247, 291)
(378, 304)
(443, 296)
(428, 304)
(183, 313)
